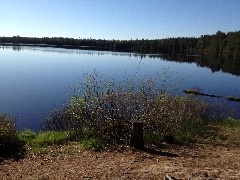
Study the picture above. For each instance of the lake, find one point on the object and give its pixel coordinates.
(36, 80)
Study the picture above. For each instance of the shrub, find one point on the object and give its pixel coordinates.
(107, 109)
(9, 142)
(27, 136)
(92, 144)
(62, 120)
(171, 114)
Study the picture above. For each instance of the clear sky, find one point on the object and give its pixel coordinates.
(118, 19)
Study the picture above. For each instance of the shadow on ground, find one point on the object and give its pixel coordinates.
(158, 152)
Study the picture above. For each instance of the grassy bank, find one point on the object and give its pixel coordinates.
(18, 144)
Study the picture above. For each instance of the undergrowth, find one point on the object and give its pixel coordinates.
(92, 144)
(101, 113)
(38, 142)
(225, 131)
(107, 109)
(10, 145)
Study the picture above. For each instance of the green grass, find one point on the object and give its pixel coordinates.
(228, 131)
(27, 135)
(38, 143)
(218, 131)
(92, 144)
(190, 131)
(44, 138)
(51, 137)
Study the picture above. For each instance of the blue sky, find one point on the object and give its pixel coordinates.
(118, 19)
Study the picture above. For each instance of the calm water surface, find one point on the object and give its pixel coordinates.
(34, 80)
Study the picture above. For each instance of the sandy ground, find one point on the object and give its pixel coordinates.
(166, 162)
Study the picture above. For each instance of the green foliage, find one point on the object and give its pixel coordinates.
(27, 136)
(92, 144)
(9, 142)
(38, 142)
(220, 43)
(50, 138)
(169, 114)
(7, 129)
(191, 130)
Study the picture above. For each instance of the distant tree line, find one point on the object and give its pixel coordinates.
(220, 42)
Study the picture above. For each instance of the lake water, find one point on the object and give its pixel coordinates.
(36, 80)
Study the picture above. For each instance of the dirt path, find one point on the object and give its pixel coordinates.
(180, 162)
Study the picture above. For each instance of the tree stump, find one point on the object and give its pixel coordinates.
(136, 139)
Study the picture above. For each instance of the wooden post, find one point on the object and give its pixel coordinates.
(136, 139)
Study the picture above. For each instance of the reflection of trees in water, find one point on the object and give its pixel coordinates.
(16, 48)
(225, 63)
(216, 62)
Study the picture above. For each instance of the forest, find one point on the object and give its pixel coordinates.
(223, 43)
